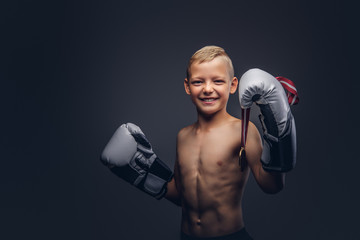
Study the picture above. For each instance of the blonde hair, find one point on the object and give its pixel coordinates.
(208, 53)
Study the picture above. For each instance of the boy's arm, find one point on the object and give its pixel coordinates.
(172, 189)
(269, 182)
(278, 155)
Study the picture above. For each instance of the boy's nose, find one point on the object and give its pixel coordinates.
(208, 88)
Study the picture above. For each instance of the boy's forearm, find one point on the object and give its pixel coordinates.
(271, 182)
(172, 194)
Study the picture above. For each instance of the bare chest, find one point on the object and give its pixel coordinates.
(208, 153)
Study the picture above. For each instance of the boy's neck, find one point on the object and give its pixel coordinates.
(206, 122)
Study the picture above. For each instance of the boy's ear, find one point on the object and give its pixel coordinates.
(234, 84)
(187, 87)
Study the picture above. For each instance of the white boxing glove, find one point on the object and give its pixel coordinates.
(279, 152)
(130, 156)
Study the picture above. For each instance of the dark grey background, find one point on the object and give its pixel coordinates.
(72, 72)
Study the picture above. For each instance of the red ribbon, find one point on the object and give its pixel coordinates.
(290, 88)
(244, 125)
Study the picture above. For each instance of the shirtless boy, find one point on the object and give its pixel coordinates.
(208, 182)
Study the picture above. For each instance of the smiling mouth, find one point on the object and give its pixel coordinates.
(209, 100)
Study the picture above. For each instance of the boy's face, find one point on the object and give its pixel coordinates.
(209, 85)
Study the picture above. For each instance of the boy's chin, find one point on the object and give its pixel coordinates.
(208, 112)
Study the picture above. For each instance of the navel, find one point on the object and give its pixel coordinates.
(219, 163)
(198, 222)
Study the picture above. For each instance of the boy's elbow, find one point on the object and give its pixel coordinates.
(275, 186)
(172, 195)
(272, 189)
(275, 189)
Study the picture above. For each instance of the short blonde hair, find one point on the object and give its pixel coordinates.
(208, 53)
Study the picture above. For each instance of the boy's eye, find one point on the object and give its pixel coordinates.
(219, 81)
(196, 82)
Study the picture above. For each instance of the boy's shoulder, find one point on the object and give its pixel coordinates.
(185, 131)
(237, 123)
(235, 126)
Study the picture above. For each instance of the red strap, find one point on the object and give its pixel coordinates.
(244, 125)
(290, 88)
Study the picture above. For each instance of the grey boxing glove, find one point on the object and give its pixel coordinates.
(129, 155)
(279, 151)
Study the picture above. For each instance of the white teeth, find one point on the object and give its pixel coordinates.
(208, 100)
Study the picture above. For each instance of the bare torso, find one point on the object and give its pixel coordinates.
(209, 179)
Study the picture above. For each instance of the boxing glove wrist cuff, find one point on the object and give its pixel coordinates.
(155, 186)
(279, 154)
(160, 169)
(153, 181)
(156, 179)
